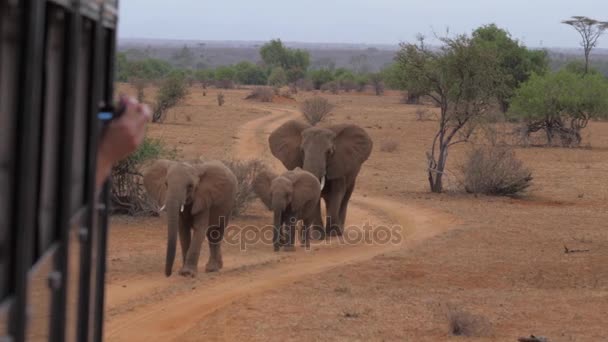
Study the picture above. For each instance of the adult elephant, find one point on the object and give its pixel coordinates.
(333, 154)
(199, 199)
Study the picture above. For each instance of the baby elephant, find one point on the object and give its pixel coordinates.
(292, 196)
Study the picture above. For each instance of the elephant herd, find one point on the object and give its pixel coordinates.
(321, 163)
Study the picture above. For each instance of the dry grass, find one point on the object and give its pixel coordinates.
(423, 114)
(494, 170)
(389, 145)
(262, 94)
(316, 109)
(245, 172)
(462, 323)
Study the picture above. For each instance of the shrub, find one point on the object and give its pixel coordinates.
(128, 195)
(171, 91)
(224, 84)
(561, 104)
(278, 77)
(389, 145)
(495, 170)
(262, 94)
(423, 114)
(220, 99)
(462, 323)
(305, 84)
(333, 87)
(378, 83)
(316, 109)
(140, 86)
(245, 171)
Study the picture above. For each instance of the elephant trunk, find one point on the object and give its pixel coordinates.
(175, 201)
(316, 164)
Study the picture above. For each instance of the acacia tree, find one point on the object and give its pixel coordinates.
(590, 30)
(295, 62)
(561, 104)
(516, 61)
(462, 78)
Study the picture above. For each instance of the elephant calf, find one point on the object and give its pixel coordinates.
(292, 196)
(199, 199)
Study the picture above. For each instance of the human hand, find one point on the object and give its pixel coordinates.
(122, 136)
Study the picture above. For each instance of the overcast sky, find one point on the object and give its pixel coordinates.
(535, 22)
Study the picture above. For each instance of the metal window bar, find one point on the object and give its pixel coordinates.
(41, 247)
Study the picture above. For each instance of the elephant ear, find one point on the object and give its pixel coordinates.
(155, 180)
(352, 147)
(285, 143)
(261, 187)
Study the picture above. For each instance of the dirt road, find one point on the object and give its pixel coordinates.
(155, 308)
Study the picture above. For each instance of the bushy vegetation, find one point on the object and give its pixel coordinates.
(294, 62)
(128, 195)
(316, 109)
(145, 69)
(561, 104)
(245, 171)
(462, 78)
(494, 170)
(172, 90)
(515, 61)
(262, 94)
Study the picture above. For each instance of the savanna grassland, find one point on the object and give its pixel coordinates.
(492, 269)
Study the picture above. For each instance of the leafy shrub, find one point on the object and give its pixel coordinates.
(333, 87)
(305, 84)
(316, 109)
(561, 104)
(245, 171)
(128, 195)
(262, 94)
(278, 77)
(171, 91)
(389, 145)
(495, 170)
(140, 86)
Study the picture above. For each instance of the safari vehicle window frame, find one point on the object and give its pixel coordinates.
(25, 259)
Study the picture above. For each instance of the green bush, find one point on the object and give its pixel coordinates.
(561, 104)
(171, 91)
(320, 77)
(128, 195)
(278, 77)
(250, 74)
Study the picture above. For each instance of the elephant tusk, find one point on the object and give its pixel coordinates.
(322, 182)
(162, 208)
(181, 210)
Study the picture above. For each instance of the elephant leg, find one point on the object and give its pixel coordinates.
(191, 266)
(333, 200)
(185, 226)
(306, 224)
(344, 205)
(215, 235)
(290, 225)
